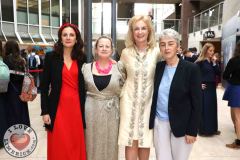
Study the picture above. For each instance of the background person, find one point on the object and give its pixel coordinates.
(33, 63)
(176, 104)
(62, 106)
(3, 113)
(139, 60)
(232, 92)
(17, 110)
(209, 70)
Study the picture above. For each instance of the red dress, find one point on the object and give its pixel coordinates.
(66, 141)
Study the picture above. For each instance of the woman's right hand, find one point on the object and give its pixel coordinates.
(46, 119)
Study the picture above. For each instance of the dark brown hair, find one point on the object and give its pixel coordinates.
(77, 52)
(237, 50)
(12, 52)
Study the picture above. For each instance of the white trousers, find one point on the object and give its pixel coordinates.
(167, 146)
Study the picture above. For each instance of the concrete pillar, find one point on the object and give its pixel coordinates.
(88, 29)
(187, 11)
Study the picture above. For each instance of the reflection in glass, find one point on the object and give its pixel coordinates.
(46, 32)
(220, 13)
(74, 12)
(197, 23)
(7, 10)
(213, 16)
(55, 13)
(205, 18)
(65, 11)
(33, 12)
(172, 23)
(22, 11)
(34, 31)
(23, 33)
(190, 23)
(45, 12)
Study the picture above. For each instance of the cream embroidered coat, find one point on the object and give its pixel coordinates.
(136, 96)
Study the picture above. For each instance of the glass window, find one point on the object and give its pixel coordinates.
(197, 23)
(220, 13)
(213, 16)
(45, 12)
(55, 33)
(33, 12)
(55, 13)
(65, 11)
(34, 31)
(46, 32)
(205, 20)
(22, 11)
(7, 10)
(8, 29)
(190, 27)
(23, 33)
(74, 12)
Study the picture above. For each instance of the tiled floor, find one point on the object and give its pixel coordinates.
(206, 148)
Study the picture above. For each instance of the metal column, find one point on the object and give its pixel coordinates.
(114, 22)
(88, 29)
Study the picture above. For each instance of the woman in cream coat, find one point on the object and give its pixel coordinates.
(138, 61)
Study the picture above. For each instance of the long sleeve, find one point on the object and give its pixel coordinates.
(196, 101)
(45, 82)
(228, 70)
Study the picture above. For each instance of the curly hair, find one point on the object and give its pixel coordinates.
(77, 52)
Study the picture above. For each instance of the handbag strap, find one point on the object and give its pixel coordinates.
(17, 72)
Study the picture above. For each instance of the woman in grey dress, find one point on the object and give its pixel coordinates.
(103, 84)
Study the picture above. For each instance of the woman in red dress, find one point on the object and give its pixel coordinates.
(63, 96)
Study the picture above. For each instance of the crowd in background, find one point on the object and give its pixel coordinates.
(131, 102)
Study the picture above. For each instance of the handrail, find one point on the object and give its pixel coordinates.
(199, 22)
(208, 9)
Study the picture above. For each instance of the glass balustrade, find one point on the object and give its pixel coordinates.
(206, 19)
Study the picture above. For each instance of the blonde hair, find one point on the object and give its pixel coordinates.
(203, 53)
(129, 42)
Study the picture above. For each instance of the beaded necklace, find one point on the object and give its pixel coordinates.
(105, 70)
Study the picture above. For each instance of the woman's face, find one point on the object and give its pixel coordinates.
(168, 47)
(104, 48)
(210, 52)
(68, 37)
(140, 32)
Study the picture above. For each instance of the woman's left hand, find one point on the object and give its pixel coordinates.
(190, 139)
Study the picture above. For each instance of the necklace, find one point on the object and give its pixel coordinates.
(105, 70)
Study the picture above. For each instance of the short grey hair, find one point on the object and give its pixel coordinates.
(171, 34)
